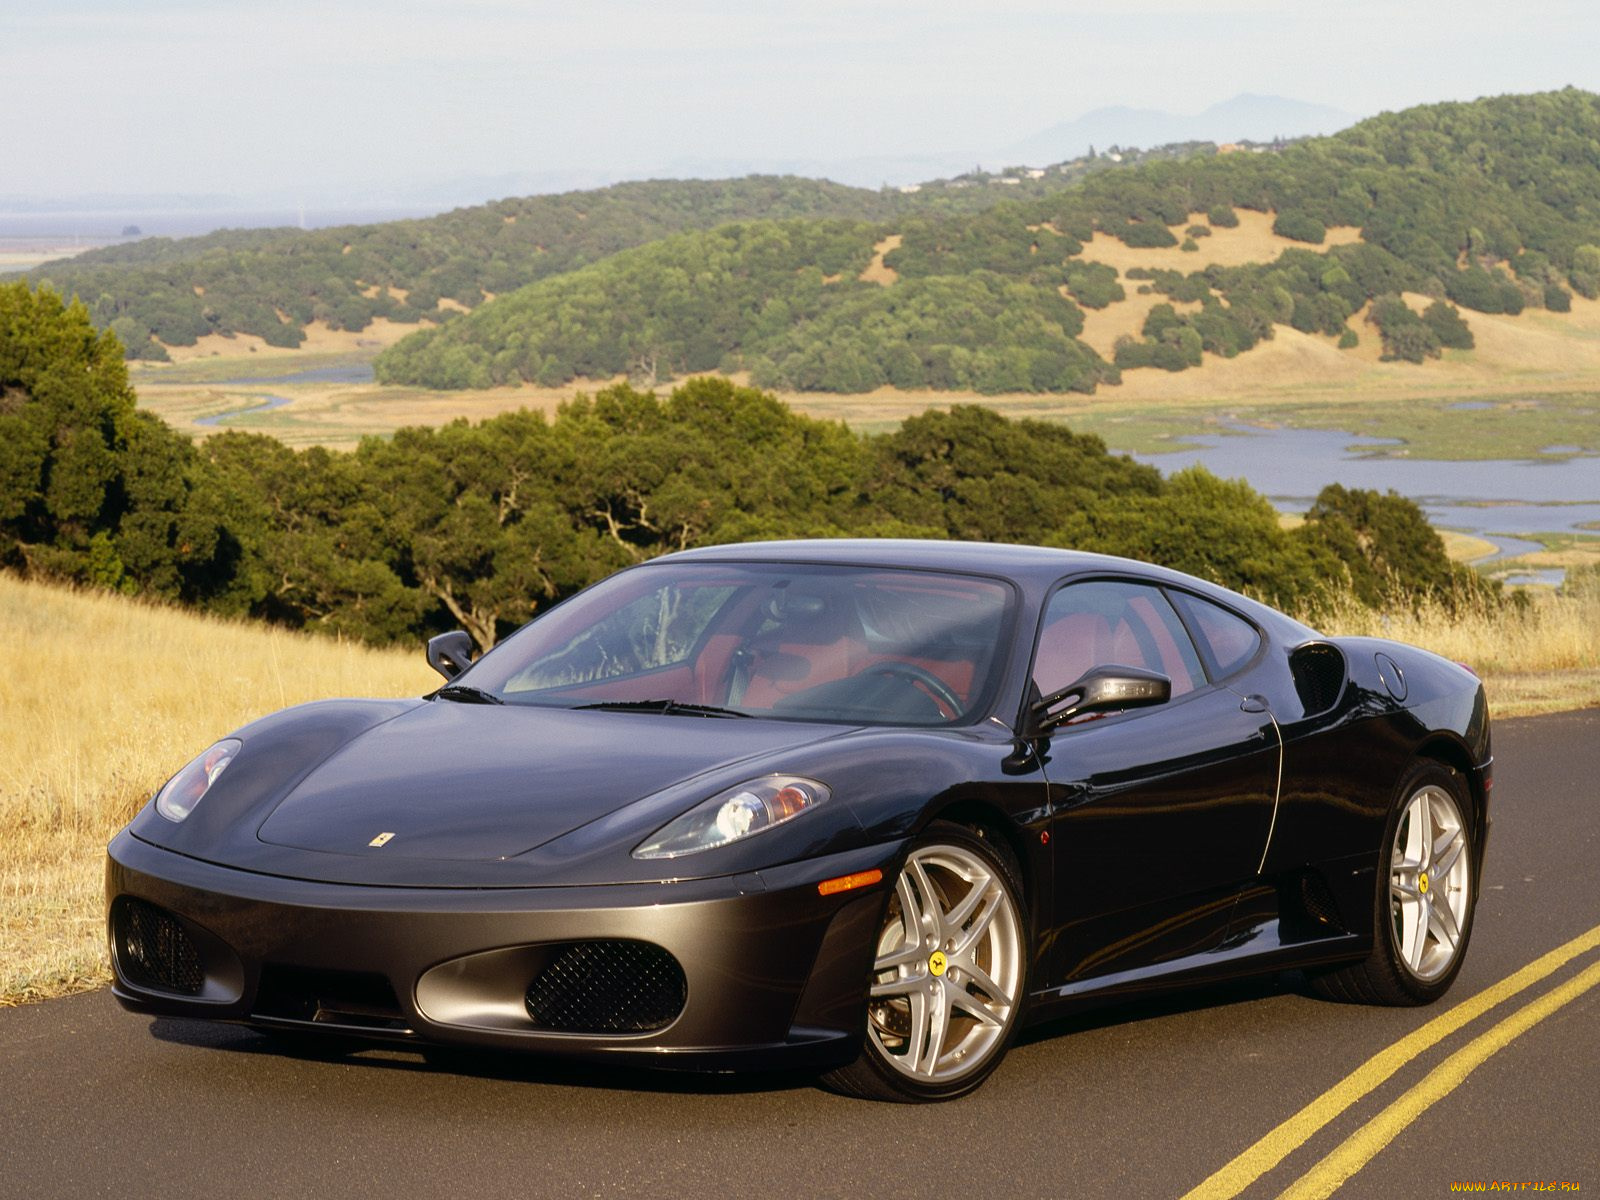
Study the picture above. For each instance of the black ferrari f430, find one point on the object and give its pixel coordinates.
(865, 807)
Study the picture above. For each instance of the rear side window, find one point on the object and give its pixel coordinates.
(1228, 641)
(1106, 622)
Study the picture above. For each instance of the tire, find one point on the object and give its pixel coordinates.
(1425, 896)
(947, 985)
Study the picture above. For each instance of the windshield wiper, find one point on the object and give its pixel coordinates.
(467, 694)
(676, 707)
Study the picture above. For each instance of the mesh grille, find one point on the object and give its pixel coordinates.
(1318, 676)
(607, 987)
(153, 949)
(1319, 901)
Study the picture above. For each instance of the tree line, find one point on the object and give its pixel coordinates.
(483, 526)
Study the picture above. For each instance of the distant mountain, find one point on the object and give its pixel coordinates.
(1244, 118)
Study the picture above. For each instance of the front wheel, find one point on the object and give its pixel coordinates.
(949, 974)
(1427, 876)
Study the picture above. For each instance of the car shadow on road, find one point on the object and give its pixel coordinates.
(1108, 1012)
(310, 1048)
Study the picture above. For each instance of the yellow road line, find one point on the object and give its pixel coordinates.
(1276, 1145)
(1359, 1148)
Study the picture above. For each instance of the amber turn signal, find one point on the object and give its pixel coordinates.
(846, 883)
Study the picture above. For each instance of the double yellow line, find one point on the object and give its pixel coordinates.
(1357, 1150)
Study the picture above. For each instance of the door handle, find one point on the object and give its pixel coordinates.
(1254, 704)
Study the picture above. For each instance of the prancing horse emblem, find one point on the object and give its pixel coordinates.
(381, 840)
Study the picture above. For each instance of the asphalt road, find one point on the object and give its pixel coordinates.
(1143, 1101)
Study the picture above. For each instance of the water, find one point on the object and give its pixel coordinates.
(268, 403)
(341, 373)
(344, 373)
(1496, 500)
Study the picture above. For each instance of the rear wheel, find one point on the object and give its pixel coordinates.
(949, 973)
(1427, 874)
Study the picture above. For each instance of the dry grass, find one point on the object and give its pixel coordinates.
(1544, 658)
(319, 339)
(1251, 242)
(877, 271)
(103, 698)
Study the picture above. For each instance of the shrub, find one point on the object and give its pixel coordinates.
(1299, 227)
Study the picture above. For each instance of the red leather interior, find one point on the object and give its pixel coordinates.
(1068, 647)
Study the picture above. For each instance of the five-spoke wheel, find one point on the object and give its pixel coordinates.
(1427, 875)
(1430, 883)
(950, 968)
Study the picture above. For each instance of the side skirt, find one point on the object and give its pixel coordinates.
(1258, 951)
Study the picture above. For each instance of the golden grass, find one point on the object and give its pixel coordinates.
(103, 698)
(1544, 658)
(1251, 242)
(319, 339)
(877, 271)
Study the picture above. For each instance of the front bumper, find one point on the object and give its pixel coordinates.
(776, 974)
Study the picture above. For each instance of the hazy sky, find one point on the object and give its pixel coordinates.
(241, 97)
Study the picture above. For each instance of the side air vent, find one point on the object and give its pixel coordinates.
(607, 987)
(1319, 676)
(153, 949)
(1319, 903)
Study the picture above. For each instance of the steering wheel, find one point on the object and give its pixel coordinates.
(949, 703)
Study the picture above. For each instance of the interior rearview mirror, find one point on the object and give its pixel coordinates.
(1110, 688)
(450, 653)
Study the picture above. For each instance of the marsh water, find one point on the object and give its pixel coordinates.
(1500, 500)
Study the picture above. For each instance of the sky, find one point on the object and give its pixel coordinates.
(366, 98)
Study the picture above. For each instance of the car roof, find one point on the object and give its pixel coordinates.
(1038, 566)
(995, 558)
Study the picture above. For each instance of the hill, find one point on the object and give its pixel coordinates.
(360, 286)
(1492, 206)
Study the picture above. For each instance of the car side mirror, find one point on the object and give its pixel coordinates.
(450, 653)
(1110, 688)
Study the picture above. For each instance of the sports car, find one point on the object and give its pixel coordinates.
(859, 807)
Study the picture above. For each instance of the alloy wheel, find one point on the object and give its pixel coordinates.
(949, 968)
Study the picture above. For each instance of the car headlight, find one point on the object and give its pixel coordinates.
(739, 812)
(183, 791)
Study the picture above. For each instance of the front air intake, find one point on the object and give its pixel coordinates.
(153, 949)
(607, 987)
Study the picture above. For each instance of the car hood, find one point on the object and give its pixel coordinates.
(469, 782)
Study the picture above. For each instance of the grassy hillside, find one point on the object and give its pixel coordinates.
(123, 696)
(1491, 206)
(273, 283)
(289, 288)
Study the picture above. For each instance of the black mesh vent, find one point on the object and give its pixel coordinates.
(607, 987)
(153, 949)
(1318, 676)
(1319, 902)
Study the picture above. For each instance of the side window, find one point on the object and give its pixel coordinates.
(1230, 641)
(1103, 622)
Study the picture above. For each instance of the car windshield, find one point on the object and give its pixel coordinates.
(779, 640)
